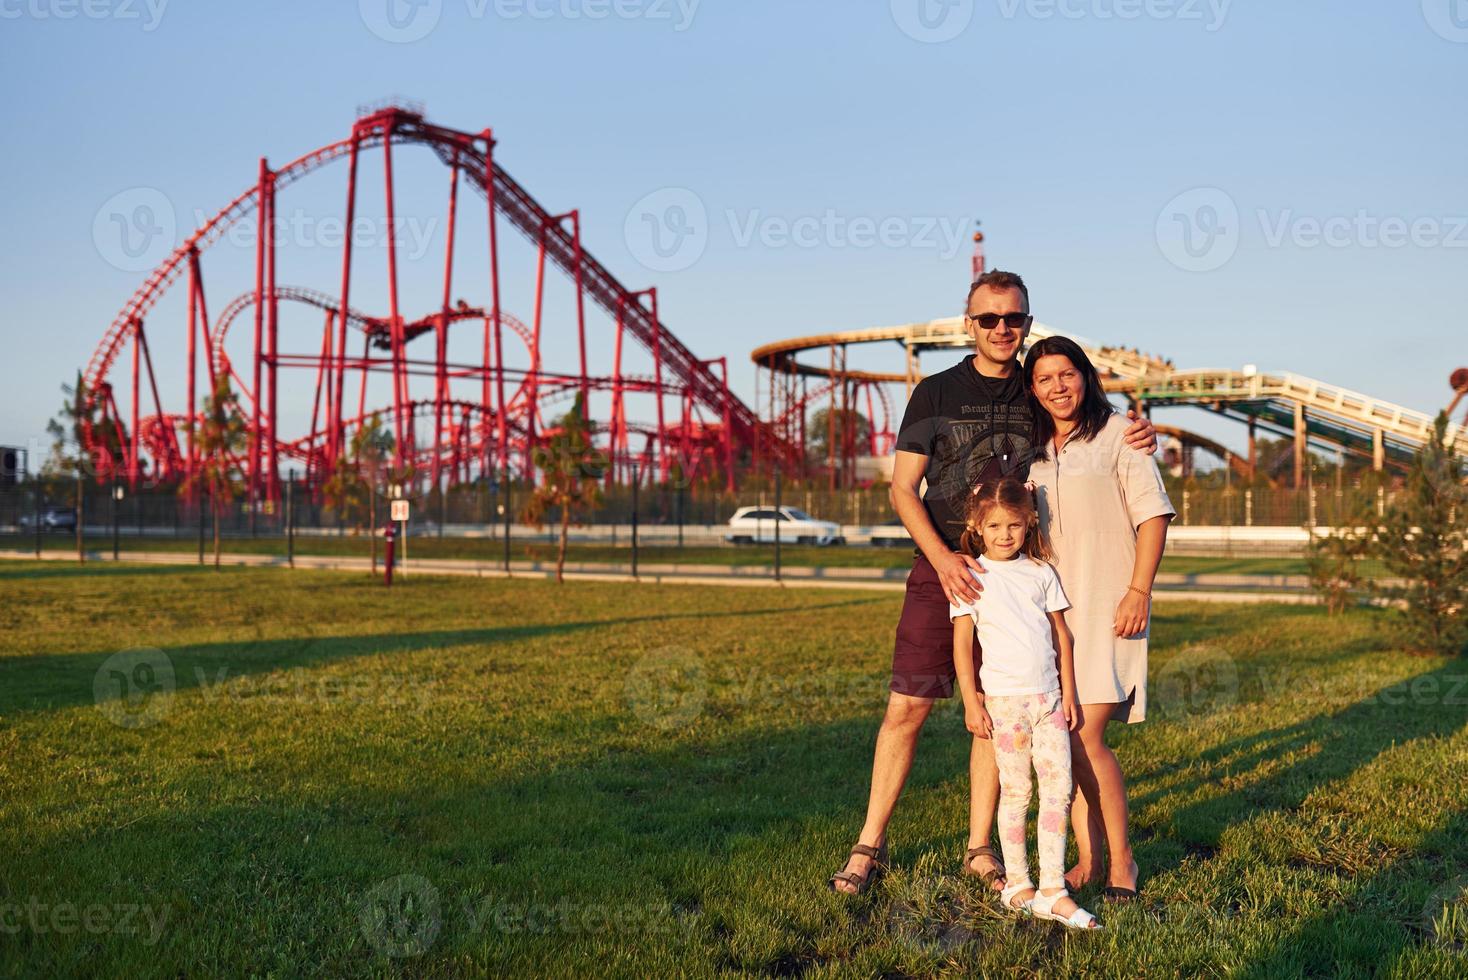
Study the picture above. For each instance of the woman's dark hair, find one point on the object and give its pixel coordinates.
(1094, 410)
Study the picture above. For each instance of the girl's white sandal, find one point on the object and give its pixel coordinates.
(1042, 906)
(1008, 893)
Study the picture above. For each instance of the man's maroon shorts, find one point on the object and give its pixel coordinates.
(922, 659)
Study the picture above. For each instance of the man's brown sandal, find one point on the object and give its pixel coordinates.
(861, 882)
(987, 877)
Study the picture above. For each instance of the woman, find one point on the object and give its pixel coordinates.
(1104, 512)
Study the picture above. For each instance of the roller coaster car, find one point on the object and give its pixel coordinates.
(757, 524)
(52, 519)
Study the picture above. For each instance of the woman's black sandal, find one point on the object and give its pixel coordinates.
(861, 882)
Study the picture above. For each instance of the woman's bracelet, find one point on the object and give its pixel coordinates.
(1144, 594)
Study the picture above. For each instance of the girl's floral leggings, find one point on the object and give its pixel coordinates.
(1026, 727)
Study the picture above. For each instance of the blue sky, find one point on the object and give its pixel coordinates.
(1090, 136)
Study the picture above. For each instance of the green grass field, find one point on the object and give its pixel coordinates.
(852, 556)
(486, 778)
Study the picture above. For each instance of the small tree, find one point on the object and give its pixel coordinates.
(222, 437)
(1334, 558)
(354, 482)
(570, 468)
(846, 424)
(1421, 540)
(69, 460)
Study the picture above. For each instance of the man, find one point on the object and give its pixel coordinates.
(963, 426)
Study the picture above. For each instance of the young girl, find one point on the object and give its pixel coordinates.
(1026, 700)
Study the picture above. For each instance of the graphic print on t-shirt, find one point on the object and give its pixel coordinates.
(972, 429)
(994, 443)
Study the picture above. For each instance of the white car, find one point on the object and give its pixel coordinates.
(891, 535)
(757, 524)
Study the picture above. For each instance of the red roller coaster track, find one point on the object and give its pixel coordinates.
(494, 433)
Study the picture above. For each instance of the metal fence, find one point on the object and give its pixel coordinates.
(484, 517)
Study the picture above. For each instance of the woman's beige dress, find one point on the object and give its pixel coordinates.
(1093, 496)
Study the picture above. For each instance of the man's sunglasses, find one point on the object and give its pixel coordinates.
(988, 321)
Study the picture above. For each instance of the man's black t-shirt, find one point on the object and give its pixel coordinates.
(972, 429)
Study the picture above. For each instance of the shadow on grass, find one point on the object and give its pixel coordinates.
(1331, 748)
(1388, 917)
(732, 835)
(39, 682)
(698, 829)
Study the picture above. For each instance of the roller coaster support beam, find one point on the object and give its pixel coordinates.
(132, 462)
(441, 327)
(502, 410)
(617, 438)
(1300, 433)
(533, 402)
(272, 485)
(193, 370)
(399, 374)
(261, 229)
(336, 441)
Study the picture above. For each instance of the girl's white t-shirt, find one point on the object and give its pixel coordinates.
(1014, 629)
